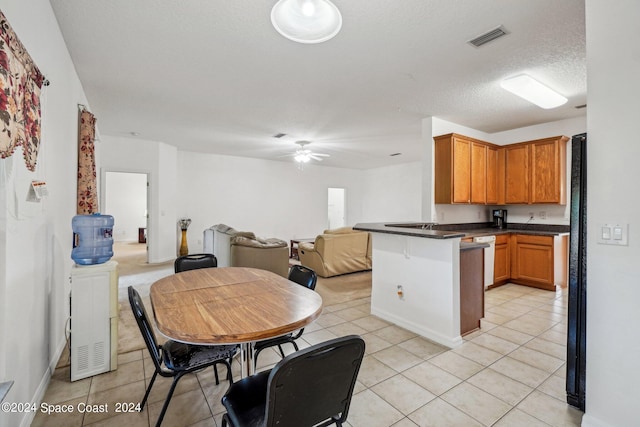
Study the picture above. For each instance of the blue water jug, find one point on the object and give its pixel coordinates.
(92, 239)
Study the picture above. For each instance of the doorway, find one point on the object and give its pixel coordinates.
(126, 199)
(336, 208)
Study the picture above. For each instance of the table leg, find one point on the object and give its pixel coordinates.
(246, 359)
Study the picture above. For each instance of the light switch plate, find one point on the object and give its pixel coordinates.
(613, 233)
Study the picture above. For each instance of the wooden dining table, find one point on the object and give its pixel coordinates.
(231, 305)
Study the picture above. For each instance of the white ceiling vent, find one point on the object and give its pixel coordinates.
(488, 36)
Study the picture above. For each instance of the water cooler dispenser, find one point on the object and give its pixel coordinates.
(94, 297)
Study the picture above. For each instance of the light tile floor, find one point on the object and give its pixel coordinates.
(509, 373)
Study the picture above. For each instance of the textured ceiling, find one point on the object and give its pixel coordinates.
(214, 76)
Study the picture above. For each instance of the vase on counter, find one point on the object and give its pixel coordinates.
(184, 224)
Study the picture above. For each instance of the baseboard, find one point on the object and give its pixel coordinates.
(589, 421)
(44, 383)
(450, 342)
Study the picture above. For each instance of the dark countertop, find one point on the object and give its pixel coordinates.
(416, 231)
(449, 231)
(467, 246)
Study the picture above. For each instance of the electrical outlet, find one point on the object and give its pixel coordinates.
(531, 216)
(543, 215)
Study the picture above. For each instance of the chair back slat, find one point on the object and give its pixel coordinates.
(314, 384)
(303, 276)
(142, 319)
(194, 261)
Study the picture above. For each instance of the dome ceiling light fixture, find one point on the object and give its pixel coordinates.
(306, 21)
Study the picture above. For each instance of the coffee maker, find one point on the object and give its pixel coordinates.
(499, 218)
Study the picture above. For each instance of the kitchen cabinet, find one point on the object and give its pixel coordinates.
(471, 289)
(493, 183)
(535, 171)
(548, 170)
(462, 170)
(502, 260)
(539, 261)
(516, 180)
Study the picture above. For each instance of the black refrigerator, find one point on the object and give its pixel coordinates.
(577, 307)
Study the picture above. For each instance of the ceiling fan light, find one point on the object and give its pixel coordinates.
(302, 158)
(306, 21)
(533, 91)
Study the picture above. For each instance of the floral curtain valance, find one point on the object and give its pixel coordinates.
(20, 84)
(87, 181)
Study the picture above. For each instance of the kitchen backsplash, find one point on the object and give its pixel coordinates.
(542, 214)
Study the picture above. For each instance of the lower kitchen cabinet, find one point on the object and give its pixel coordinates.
(471, 289)
(502, 263)
(539, 261)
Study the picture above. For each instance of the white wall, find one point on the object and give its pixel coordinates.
(35, 240)
(158, 160)
(270, 198)
(126, 200)
(393, 193)
(613, 279)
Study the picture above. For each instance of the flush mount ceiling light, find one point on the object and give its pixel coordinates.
(533, 91)
(306, 21)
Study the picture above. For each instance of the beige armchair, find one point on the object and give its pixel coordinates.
(266, 254)
(338, 251)
(235, 248)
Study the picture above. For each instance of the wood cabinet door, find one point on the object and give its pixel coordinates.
(492, 175)
(502, 261)
(532, 261)
(517, 174)
(548, 180)
(478, 173)
(461, 171)
(471, 290)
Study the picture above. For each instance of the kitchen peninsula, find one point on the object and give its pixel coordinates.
(416, 279)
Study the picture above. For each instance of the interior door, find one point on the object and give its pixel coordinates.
(336, 208)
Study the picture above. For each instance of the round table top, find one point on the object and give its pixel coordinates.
(231, 305)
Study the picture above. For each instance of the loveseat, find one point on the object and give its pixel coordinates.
(339, 251)
(234, 248)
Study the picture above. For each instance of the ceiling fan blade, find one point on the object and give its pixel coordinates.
(321, 154)
(315, 157)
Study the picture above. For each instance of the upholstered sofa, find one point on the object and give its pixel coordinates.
(339, 251)
(234, 248)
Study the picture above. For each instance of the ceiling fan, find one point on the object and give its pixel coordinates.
(304, 155)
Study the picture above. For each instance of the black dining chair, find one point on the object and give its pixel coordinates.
(312, 387)
(194, 261)
(175, 359)
(303, 276)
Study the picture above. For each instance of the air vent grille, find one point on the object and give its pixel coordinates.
(579, 107)
(488, 36)
(279, 135)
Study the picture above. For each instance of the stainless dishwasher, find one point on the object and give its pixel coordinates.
(489, 257)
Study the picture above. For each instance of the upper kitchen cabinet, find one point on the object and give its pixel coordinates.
(516, 167)
(535, 171)
(465, 170)
(548, 170)
(494, 184)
